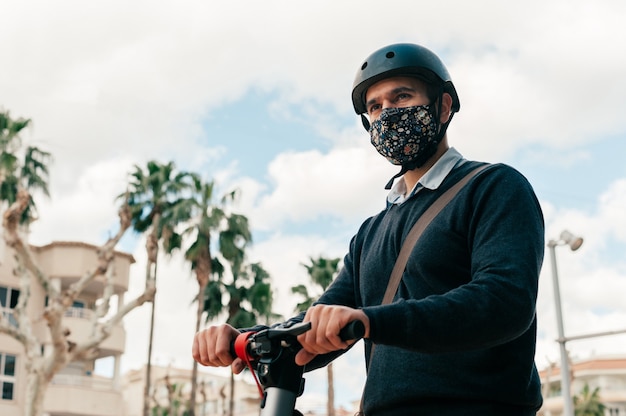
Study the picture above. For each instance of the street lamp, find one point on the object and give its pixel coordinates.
(574, 243)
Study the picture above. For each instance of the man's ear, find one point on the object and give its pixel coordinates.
(446, 108)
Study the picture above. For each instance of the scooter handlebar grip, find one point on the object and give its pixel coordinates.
(354, 330)
(239, 348)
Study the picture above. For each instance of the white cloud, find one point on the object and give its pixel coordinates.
(612, 204)
(311, 184)
(591, 289)
(89, 210)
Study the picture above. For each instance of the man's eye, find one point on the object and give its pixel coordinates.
(374, 108)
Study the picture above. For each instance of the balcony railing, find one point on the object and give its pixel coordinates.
(8, 315)
(95, 383)
(80, 313)
(73, 312)
(79, 394)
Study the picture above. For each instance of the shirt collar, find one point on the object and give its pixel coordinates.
(431, 179)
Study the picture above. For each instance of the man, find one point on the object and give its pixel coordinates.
(459, 337)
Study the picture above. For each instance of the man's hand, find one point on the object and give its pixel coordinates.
(323, 337)
(211, 347)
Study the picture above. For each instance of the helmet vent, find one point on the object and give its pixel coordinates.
(364, 66)
(390, 55)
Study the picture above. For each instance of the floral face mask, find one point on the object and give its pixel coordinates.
(406, 136)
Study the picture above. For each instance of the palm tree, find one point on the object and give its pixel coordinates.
(248, 297)
(159, 198)
(322, 272)
(20, 167)
(249, 294)
(208, 220)
(588, 402)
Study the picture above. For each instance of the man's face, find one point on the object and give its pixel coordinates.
(395, 92)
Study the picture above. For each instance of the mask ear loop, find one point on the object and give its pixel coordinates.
(366, 122)
(443, 127)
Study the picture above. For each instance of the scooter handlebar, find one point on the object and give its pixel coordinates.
(354, 330)
(255, 345)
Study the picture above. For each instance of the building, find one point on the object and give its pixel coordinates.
(172, 389)
(606, 373)
(75, 390)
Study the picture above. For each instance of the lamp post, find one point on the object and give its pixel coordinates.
(574, 243)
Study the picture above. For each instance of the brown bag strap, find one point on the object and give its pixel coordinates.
(414, 235)
(417, 230)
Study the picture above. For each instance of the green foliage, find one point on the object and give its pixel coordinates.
(234, 239)
(322, 272)
(303, 292)
(587, 402)
(250, 296)
(213, 304)
(221, 237)
(21, 167)
(176, 402)
(158, 190)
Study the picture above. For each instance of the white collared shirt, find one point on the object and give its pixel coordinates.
(431, 179)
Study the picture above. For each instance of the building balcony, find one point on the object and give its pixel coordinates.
(69, 261)
(80, 324)
(73, 395)
(78, 321)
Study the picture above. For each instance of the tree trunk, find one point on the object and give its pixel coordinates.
(331, 390)
(146, 392)
(203, 273)
(35, 392)
(231, 399)
(194, 371)
(194, 387)
(171, 397)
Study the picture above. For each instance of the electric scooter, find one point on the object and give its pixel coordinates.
(270, 355)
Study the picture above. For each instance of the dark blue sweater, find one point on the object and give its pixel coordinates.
(459, 337)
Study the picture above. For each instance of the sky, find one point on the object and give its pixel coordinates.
(256, 96)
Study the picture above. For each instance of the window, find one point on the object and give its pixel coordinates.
(78, 310)
(8, 301)
(7, 375)
(8, 297)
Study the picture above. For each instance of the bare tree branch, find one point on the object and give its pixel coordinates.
(104, 329)
(106, 254)
(11, 221)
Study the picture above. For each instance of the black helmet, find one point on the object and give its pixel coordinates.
(402, 59)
